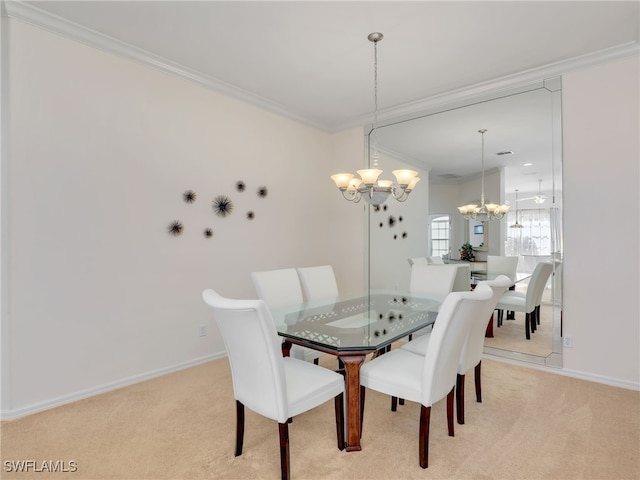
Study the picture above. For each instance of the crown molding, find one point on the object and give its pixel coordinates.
(524, 80)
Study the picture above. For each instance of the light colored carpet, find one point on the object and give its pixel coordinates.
(531, 425)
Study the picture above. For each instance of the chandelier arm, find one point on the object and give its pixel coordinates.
(351, 196)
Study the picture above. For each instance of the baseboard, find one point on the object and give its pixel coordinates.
(613, 382)
(56, 402)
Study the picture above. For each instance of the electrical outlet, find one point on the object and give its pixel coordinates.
(567, 341)
(203, 330)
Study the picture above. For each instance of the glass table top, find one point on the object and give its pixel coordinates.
(357, 323)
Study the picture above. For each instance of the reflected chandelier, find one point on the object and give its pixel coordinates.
(486, 211)
(517, 224)
(368, 186)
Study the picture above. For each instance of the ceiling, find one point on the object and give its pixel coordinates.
(312, 61)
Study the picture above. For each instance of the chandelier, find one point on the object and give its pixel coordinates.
(368, 186)
(486, 211)
(517, 224)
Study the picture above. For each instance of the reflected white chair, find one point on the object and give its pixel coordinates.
(281, 288)
(430, 378)
(526, 302)
(501, 265)
(271, 385)
(471, 356)
(318, 283)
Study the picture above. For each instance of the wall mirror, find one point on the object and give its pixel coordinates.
(522, 153)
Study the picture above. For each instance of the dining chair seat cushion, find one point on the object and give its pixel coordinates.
(399, 375)
(513, 302)
(309, 385)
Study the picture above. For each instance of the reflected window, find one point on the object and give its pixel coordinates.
(440, 231)
(534, 238)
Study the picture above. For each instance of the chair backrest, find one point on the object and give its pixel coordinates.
(473, 347)
(318, 283)
(539, 279)
(450, 331)
(278, 288)
(501, 265)
(436, 280)
(253, 348)
(435, 260)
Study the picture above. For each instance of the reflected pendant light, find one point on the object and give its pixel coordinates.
(516, 225)
(368, 186)
(540, 198)
(486, 211)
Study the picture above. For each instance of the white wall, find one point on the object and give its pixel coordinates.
(99, 153)
(601, 175)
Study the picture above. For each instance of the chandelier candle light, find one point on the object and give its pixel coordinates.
(368, 186)
(488, 211)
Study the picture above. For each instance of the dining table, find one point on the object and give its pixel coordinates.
(351, 327)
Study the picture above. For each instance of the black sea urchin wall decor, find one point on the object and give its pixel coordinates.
(175, 228)
(250, 215)
(208, 233)
(222, 205)
(262, 192)
(240, 186)
(189, 196)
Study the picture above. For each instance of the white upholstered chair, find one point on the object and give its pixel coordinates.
(271, 385)
(430, 378)
(318, 283)
(432, 280)
(279, 289)
(528, 301)
(471, 356)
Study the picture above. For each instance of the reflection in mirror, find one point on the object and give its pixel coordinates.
(477, 232)
(523, 152)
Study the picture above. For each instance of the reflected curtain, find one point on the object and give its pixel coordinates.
(535, 238)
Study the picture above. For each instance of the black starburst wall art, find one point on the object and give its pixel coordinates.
(240, 186)
(262, 192)
(222, 205)
(189, 196)
(175, 228)
(208, 233)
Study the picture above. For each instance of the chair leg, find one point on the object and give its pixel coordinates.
(500, 313)
(284, 450)
(538, 314)
(401, 401)
(460, 399)
(425, 416)
(394, 404)
(239, 428)
(527, 320)
(478, 382)
(315, 361)
(339, 407)
(450, 396)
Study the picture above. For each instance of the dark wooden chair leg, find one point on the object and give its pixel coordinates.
(425, 416)
(339, 407)
(394, 404)
(500, 314)
(460, 399)
(315, 361)
(239, 428)
(538, 314)
(362, 396)
(478, 382)
(450, 396)
(527, 320)
(401, 401)
(284, 450)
